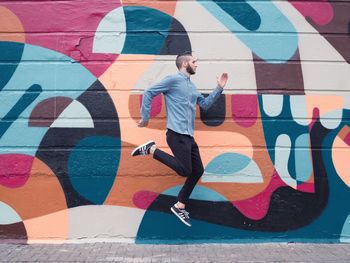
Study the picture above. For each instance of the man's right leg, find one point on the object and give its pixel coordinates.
(181, 162)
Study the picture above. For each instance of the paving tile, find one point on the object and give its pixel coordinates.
(203, 253)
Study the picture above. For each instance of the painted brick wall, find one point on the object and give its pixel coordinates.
(275, 145)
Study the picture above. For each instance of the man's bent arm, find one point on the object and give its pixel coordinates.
(150, 93)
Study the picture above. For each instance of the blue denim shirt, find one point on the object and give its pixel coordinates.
(181, 97)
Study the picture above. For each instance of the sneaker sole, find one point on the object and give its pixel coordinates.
(187, 224)
(138, 147)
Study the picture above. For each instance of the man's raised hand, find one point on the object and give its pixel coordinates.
(222, 80)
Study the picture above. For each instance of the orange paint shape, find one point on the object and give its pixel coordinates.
(41, 195)
(52, 228)
(122, 76)
(221, 142)
(323, 103)
(10, 26)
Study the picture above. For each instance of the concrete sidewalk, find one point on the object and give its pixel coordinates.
(121, 252)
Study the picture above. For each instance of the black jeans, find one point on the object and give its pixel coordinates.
(185, 162)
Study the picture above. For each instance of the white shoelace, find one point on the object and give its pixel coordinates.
(185, 213)
(143, 150)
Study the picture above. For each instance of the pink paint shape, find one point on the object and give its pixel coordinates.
(156, 106)
(143, 199)
(15, 169)
(320, 12)
(306, 187)
(315, 117)
(244, 109)
(347, 139)
(256, 207)
(79, 18)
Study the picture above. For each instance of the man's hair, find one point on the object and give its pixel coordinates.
(183, 57)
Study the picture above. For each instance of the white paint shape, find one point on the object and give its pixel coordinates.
(217, 50)
(282, 153)
(74, 116)
(299, 109)
(104, 222)
(111, 33)
(332, 119)
(272, 104)
(8, 215)
(250, 174)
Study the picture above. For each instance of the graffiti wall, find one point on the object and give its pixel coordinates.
(275, 145)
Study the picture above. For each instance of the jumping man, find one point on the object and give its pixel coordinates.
(181, 97)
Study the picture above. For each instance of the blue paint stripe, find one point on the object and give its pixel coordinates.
(28, 98)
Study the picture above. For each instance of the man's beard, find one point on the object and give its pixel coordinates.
(190, 70)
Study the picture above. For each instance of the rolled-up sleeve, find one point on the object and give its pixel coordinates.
(206, 102)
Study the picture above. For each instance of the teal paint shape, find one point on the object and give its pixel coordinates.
(10, 56)
(93, 165)
(162, 228)
(331, 226)
(328, 227)
(146, 28)
(337, 209)
(284, 123)
(242, 12)
(227, 163)
(199, 193)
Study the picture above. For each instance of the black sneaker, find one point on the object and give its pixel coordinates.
(143, 149)
(182, 214)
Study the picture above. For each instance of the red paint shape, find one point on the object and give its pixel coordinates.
(244, 109)
(347, 139)
(315, 117)
(15, 169)
(256, 207)
(306, 187)
(156, 106)
(79, 16)
(143, 199)
(320, 12)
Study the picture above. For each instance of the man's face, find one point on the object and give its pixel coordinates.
(191, 65)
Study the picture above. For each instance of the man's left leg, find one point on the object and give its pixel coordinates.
(192, 180)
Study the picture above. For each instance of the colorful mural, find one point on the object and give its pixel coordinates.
(275, 145)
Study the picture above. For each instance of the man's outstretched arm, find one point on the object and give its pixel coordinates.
(206, 102)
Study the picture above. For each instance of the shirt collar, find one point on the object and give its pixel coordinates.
(183, 75)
